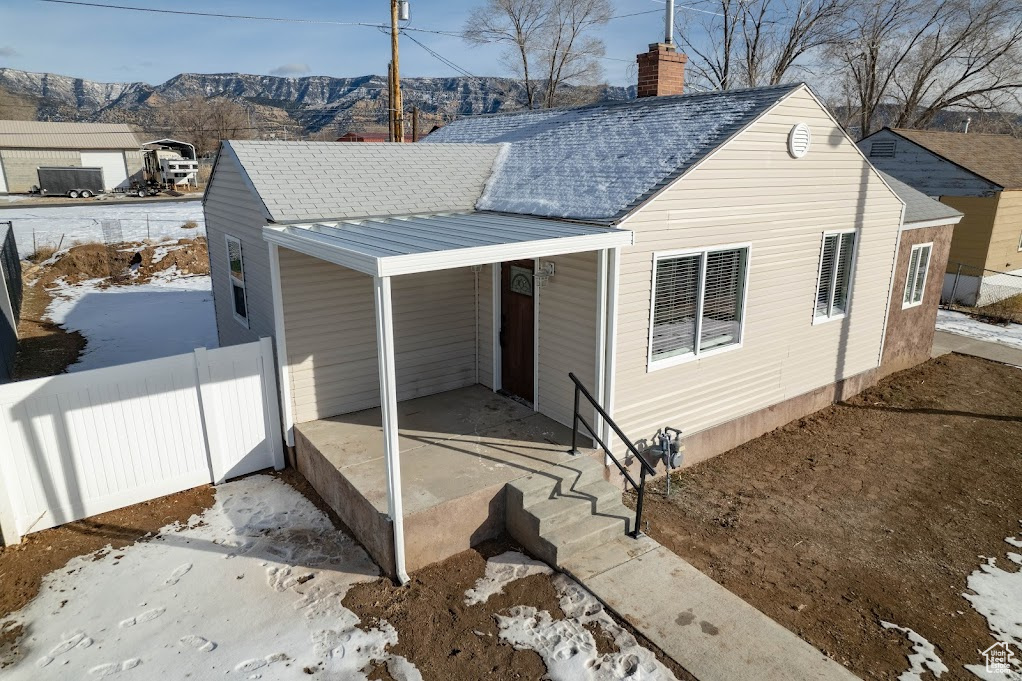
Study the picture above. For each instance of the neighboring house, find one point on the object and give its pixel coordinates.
(28, 145)
(721, 263)
(979, 175)
(364, 137)
(10, 301)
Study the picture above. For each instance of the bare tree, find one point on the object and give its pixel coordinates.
(207, 122)
(906, 61)
(549, 42)
(745, 43)
(515, 24)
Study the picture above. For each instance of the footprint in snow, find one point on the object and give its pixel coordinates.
(259, 662)
(198, 643)
(76, 640)
(147, 616)
(112, 668)
(177, 574)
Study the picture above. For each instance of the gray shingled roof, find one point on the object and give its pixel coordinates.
(59, 135)
(600, 161)
(918, 206)
(305, 181)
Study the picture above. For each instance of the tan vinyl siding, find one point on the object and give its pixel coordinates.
(567, 333)
(330, 324)
(20, 165)
(751, 191)
(1003, 254)
(231, 208)
(971, 240)
(484, 340)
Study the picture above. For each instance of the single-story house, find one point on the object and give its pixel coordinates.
(979, 175)
(26, 146)
(721, 263)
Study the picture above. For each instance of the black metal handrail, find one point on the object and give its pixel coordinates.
(644, 467)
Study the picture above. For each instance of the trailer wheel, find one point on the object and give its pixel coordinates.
(140, 193)
(86, 194)
(72, 194)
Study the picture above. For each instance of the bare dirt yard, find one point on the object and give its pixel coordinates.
(877, 509)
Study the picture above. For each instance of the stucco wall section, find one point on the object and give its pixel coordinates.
(910, 330)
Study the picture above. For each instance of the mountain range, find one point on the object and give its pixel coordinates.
(299, 106)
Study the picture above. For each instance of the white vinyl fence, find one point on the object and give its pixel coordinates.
(75, 445)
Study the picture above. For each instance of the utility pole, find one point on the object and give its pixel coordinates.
(390, 102)
(415, 123)
(397, 105)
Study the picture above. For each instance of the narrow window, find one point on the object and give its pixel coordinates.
(833, 288)
(915, 279)
(1020, 242)
(236, 276)
(698, 303)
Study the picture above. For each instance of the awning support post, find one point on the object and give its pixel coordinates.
(388, 408)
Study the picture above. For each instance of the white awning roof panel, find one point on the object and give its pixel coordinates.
(421, 243)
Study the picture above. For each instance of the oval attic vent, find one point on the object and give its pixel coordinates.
(799, 140)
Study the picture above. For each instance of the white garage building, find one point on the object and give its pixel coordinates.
(28, 145)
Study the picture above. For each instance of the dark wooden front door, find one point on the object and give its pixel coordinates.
(517, 340)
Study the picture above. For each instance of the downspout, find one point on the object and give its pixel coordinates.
(614, 275)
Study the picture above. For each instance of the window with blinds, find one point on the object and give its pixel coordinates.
(698, 300)
(915, 279)
(833, 288)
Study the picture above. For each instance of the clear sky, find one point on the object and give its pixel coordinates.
(118, 45)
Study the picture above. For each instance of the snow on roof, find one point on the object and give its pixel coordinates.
(598, 162)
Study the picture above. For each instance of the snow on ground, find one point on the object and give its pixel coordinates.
(996, 594)
(251, 589)
(83, 224)
(923, 657)
(566, 646)
(964, 325)
(171, 315)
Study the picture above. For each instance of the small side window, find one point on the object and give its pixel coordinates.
(236, 277)
(915, 279)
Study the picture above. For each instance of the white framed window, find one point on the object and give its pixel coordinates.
(236, 278)
(915, 279)
(834, 282)
(698, 303)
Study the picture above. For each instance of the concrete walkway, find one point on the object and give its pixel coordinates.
(944, 342)
(705, 628)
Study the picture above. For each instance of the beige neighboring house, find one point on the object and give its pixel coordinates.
(26, 146)
(720, 263)
(979, 175)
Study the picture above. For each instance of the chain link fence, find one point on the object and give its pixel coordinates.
(989, 295)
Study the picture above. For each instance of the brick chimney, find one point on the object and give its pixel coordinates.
(661, 71)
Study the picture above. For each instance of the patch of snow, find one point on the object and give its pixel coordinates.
(568, 648)
(923, 657)
(996, 594)
(251, 589)
(964, 325)
(502, 570)
(49, 225)
(171, 315)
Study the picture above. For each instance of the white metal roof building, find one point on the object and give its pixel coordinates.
(26, 146)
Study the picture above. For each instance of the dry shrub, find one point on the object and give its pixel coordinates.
(191, 224)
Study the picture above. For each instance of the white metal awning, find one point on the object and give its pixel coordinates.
(421, 243)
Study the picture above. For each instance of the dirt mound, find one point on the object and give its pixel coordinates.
(112, 263)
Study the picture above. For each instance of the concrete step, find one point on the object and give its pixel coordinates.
(588, 499)
(584, 534)
(559, 479)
